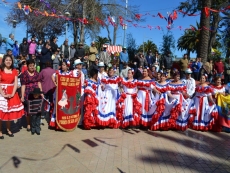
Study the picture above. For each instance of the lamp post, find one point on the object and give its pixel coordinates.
(14, 26)
(124, 27)
(67, 14)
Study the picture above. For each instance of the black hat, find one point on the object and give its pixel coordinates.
(36, 91)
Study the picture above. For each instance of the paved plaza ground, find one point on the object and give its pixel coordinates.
(115, 151)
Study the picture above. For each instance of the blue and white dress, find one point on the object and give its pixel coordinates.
(107, 102)
(148, 101)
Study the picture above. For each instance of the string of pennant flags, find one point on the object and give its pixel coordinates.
(170, 17)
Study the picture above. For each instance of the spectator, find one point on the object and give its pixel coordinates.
(80, 52)
(124, 58)
(15, 49)
(184, 65)
(153, 72)
(124, 71)
(142, 61)
(190, 84)
(29, 80)
(48, 87)
(53, 44)
(208, 69)
(149, 58)
(24, 48)
(24, 66)
(10, 42)
(156, 61)
(72, 51)
(219, 68)
(84, 71)
(95, 65)
(115, 69)
(104, 57)
(138, 73)
(32, 47)
(167, 62)
(56, 60)
(196, 66)
(65, 49)
(39, 47)
(46, 55)
(92, 53)
(227, 71)
(101, 73)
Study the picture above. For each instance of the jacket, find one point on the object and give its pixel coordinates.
(79, 53)
(9, 44)
(15, 50)
(167, 61)
(92, 51)
(24, 49)
(46, 55)
(66, 54)
(32, 48)
(53, 46)
(104, 57)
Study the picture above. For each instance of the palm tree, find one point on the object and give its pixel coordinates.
(148, 46)
(100, 41)
(190, 40)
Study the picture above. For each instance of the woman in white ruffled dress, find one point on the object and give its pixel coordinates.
(107, 100)
(161, 117)
(206, 111)
(128, 106)
(145, 95)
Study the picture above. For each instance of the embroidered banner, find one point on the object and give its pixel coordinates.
(68, 99)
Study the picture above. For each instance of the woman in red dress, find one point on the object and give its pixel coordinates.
(11, 107)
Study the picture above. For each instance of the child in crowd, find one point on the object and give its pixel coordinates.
(56, 60)
(24, 66)
(34, 110)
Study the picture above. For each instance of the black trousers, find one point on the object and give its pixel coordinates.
(35, 123)
(196, 75)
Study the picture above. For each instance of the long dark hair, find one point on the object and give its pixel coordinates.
(3, 62)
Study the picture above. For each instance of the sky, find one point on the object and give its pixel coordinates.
(140, 34)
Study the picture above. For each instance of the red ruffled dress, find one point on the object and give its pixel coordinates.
(90, 104)
(206, 113)
(182, 115)
(12, 108)
(128, 107)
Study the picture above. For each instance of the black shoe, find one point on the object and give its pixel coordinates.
(32, 133)
(1, 137)
(38, 133)
(10, 135)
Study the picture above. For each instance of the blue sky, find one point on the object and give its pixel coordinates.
(140, 34)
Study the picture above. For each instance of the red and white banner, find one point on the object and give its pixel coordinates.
(68, 99)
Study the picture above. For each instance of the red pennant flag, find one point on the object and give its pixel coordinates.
(174, 16)
(138, 16)
(160, 15)
(206, 11)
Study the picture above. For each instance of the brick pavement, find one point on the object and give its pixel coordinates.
(115, 151)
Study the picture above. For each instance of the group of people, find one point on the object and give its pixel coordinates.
(111, 96)
(112, 101)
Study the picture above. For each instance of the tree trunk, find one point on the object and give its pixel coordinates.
(115, 32)
(204, 34)
(75, 32)
(215, 23)
(82, 30)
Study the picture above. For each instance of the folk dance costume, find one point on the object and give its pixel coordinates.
(161, 118)
(205, 113)
(107, 102)
(148, 101)
(217, 127)
(181, 116)
(128, 107)
(10, 108)
(91, 103)
(53, 114)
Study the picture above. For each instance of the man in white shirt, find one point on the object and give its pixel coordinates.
(190, 83)
(124, 72)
